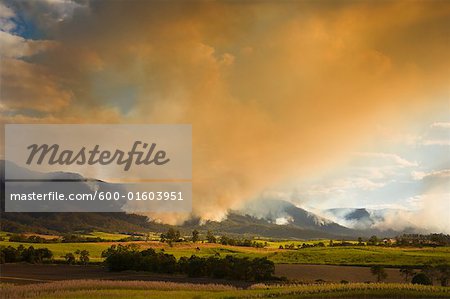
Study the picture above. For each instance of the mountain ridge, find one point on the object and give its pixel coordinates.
(297, 223)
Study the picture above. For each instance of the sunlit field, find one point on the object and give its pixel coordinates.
(140, 289)
(347, 255)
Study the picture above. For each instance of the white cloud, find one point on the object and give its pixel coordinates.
(343, 185)
(283, 220)
(436, 142)
(438, 135)
(399, 161)
(63, 9)
(27, 85)
(15, 46)
(420, 175)
(55, 11)
(431, 214)
(392, 136)
(6, 14)
(441, 124)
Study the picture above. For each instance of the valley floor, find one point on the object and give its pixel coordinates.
(345, 255)
(27, 273)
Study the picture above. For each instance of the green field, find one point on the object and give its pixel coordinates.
(107, 236)
(276, 244)
(367, 255)
(349, 255)
(140, 289)
(116, 237)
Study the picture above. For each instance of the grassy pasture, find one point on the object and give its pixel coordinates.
(362, 255)
(107, 236)
(276, 244)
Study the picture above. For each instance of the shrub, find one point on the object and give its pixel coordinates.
(421, 278)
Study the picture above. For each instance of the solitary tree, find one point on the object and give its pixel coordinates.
(431, 272)
(210, 237)
(170, 236)
(407, 272)
(444, 274)
(70, 258)
(195, 234)
(372, 240)
(84, 256)
(379, 272)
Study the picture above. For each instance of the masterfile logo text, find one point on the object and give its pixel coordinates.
(102, 151)
(98, 168)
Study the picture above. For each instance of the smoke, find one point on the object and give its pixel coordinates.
(271, 89)
(432, 212)
(271, 207)
(431, 217)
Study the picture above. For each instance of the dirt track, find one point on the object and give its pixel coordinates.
(27, 273)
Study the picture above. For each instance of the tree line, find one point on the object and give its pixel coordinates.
(417, 240)
(67, 238)
(173, 235)
(129, 257)
(9, 254)
(427, 275)
(31, 255)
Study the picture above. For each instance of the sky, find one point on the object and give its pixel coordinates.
(326, 104)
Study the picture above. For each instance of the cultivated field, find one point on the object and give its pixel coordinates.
(331, 273)
(28, 273)
(140, 289)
